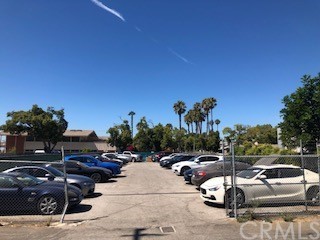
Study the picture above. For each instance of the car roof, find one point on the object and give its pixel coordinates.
(275, 166)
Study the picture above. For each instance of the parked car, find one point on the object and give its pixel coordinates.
(200, 175)
(188, 174)
(157, 156)
(124, 158)
(178, 158)
(93, 162)
(22, 192)
(134, 156)
(48, 173)
(168, 157)
(97, 174)
(267, 184)
(195, 162)
(106, 159)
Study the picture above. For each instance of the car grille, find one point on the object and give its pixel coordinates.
(203, 191)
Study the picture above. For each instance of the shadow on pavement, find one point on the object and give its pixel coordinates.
(138, 234)
(81, 208)
(94, 195)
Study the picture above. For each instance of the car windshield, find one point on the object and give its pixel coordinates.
(249, 173)
(28, 180)
(192, 159)
(55, 171)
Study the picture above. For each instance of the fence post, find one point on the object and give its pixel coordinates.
(65, 187)
(224, 178)
(318, 157)
(304, 176)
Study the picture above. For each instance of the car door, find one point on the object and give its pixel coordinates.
(264, 189)
(291, 184)
(205, 160)
(41, 174)
(73, 168)
(10, 196)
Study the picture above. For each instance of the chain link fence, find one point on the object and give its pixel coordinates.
(274, 185)
(25, 197)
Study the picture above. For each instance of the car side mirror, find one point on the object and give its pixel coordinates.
(49, 176)
(197, 161)
(262, 177)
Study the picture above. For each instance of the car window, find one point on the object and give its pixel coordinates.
(71, 165)
(37, 172)
(7, 182)
(272, 173)
(75, 158)
(290, 172)
(212, 158)
(202, 159)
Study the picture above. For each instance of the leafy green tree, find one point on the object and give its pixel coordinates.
(179, 108)
(213, 142)
(265, 134)
(120, 136)
(168, 142)
(236, 134)
(46, 126)
(301, 113)
(143, 138)
(158, 132)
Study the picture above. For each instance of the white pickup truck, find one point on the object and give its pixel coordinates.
(134, 156)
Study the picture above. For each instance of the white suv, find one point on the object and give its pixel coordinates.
(195, 162)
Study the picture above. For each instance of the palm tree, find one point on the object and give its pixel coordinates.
(207, 105)
(132, 113)
(199, 117)
(217, 121)
(188, 120)
(179, 108)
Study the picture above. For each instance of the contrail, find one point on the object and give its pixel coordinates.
(179, 56)
(110, 10)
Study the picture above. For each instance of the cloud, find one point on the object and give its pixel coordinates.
(179, 56)
(110, 10)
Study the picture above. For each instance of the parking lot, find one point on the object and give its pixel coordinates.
(144, 202)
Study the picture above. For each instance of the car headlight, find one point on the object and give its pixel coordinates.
(87, 183)
(177, 165)
(215, 188)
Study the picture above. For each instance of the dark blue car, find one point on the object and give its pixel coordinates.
(20, 192)
(92, 161)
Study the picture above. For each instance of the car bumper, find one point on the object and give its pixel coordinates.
(212, 196)
(88, 189)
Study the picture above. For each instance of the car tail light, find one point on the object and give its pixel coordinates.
(201, 173)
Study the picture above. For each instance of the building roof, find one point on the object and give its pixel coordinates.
(67, 133)
(79, 133)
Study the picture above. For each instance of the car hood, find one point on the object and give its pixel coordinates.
(79, 178)
(108, 164)
(57, 185)
(220, 181)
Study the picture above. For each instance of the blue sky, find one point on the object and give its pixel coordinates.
(75, 55)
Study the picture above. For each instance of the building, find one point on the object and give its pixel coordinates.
(73, 141)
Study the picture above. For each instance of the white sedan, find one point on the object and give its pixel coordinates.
(195, 162)
(264, 184)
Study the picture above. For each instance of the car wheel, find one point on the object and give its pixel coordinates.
(183, 170)
(133, 159)
(96, 177)
(48, 205)
(313, 196)
(240, 198)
